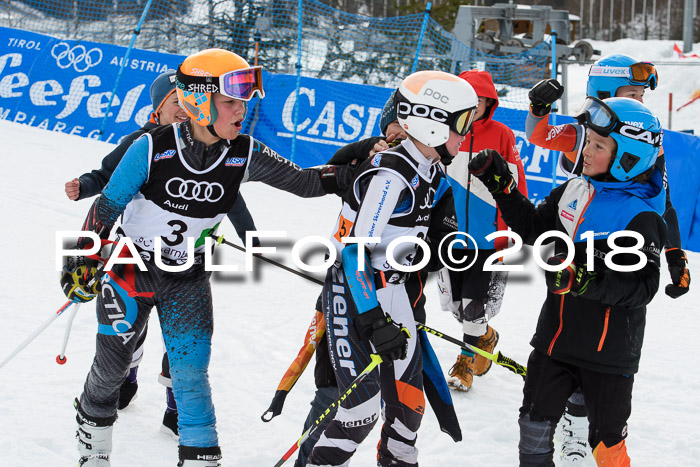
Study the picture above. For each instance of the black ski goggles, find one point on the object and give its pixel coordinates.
(599, 117)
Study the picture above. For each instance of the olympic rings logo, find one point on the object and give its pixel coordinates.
(78, 56)
(192, 190)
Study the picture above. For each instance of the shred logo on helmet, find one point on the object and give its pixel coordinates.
(610, 73)
(431, 103)
(215, 71)
(638, 145)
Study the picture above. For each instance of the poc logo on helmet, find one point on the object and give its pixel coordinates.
(406, 109)
(641, 134)
(436, 95)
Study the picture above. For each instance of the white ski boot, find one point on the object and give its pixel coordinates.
(572, 432)
(94, 439)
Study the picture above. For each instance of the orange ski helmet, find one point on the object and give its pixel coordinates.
(211, 71)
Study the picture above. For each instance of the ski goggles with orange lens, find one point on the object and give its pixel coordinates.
(644, 74)
(638, 74)
(238, 84)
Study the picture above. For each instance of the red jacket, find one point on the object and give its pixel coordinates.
(482, 217)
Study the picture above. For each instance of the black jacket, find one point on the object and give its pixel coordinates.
(92, 183)
(602, 329)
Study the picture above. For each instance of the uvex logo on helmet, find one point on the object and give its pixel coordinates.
(640, 134)
(407, 109)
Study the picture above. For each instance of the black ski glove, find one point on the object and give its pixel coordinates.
(335, 179)
(543, 95)
(573, 279)
(490, 167)
(680, 276)
(390, 339)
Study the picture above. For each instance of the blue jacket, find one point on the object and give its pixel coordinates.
(602, 329)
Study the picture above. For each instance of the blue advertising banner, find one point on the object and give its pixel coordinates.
(63, 85)
(329, 115)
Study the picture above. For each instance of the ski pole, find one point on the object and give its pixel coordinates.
(38, 331)
(220, 239)
(498, 358)
(376, 360)
(317, 329)
(61, 358)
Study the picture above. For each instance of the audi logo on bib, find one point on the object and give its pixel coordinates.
(193, 190)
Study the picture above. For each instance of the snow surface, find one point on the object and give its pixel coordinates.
(261, 319)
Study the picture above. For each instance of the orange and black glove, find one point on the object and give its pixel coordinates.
(680, 276)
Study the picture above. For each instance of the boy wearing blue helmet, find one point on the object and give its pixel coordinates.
(616, 75)
(590, 330)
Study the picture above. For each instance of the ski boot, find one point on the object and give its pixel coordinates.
(94, 438)
(199, 457)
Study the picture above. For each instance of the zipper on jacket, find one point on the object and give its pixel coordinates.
(561, 304)
(605, 329)
(561, 325)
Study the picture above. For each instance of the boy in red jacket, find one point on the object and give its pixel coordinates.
(474, 296)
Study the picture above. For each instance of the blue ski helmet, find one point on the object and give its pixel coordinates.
(634, 127)
(614, 71)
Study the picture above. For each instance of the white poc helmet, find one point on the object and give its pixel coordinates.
(431, 103)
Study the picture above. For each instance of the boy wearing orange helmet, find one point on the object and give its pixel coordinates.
(174, 185)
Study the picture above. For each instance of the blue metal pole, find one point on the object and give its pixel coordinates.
(137, 31)
(420, 38)
(295, 118)
(554, 154)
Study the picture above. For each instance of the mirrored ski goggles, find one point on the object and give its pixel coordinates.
(638, 74)
(599, 117)
(238, 84)
(461, 122)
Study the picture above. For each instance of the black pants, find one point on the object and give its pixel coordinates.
(549, 383)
